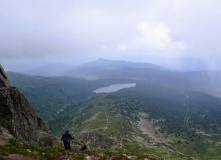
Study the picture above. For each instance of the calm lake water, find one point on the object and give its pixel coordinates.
(114, 88)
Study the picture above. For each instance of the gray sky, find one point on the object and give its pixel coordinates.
(172, 33)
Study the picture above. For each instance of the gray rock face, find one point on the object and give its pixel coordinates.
(4, 82)
(16, 113)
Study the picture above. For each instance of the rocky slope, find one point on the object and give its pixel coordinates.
(17, 115)
(113, 123)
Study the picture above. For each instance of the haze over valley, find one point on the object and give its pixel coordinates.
(132, 79)
(146, 103)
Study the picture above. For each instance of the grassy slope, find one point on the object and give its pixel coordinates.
(112, 123)
(17, 149)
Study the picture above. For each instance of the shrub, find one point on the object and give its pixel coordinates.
(78, 157)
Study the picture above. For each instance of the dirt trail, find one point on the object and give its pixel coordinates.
(14, 157)
(106, 121)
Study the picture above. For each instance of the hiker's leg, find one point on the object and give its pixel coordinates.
(65, 145)
(69, 146)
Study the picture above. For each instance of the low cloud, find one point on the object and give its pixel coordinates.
(121, 47)
(104, 46)
(163, 31)
(156, 36)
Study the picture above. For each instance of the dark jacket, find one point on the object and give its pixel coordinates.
(67, 137)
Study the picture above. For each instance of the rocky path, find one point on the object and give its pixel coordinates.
(89, 156)
(106, 122)
(14, 157)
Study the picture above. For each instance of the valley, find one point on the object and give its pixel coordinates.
(169, 114)
(110, 80)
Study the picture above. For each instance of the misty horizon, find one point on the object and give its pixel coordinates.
(71, 66)
(180, 35)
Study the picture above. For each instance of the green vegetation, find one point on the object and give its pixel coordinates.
(111, 117)
(184, 124)
(56, 98)
(203, 148)
(16, 146)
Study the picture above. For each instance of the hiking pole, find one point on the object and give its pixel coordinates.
(76, 142)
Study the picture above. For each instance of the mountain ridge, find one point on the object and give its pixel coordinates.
(120, 63)
(52, 70)
(163, 104)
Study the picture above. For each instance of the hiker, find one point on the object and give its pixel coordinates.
(66, 139)
(83, 145)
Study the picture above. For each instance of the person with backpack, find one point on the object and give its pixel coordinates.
(67, 139)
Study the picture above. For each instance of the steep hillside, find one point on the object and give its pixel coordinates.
(50, 95)
(170, 114)
(17, 115)
(21, 130)
(115, 124)
(54, 97)
(121, 124)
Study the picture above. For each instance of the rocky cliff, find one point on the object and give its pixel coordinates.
(16, 113)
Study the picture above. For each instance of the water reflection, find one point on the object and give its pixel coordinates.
(114, 88)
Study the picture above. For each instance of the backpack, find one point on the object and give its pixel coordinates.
(66, 139)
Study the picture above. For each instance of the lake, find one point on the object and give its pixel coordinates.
(114, 88)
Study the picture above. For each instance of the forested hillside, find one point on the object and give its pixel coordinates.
(54, 97)
(117, 123)
(165, 113)
(130, 80)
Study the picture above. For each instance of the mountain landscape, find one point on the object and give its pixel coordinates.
(23, 135)
(17, 115)
(129, 80)
(167, 114)
(53, 70)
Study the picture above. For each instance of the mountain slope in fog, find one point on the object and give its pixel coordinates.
(59, 69)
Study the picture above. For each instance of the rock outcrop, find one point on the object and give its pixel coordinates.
(4, 82)
(16, 113)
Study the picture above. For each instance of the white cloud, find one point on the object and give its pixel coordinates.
(121, 47)
(162, 31)
(156, 36)
(104, 47)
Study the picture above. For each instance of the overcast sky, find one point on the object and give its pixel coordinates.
(173, 33)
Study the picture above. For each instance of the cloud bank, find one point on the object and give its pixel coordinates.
(173, 33)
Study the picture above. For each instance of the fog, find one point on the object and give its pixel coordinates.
(177, 34)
